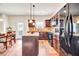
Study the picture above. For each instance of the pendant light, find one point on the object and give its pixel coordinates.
(64, 9)
(30, 21)
(31, 13)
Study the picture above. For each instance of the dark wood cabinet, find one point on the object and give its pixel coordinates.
(32, 24)
(30, 45)
(43, 35)
(48, 23)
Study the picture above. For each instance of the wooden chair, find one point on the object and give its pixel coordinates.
(4, 39)
(13, 36)
(7, 38)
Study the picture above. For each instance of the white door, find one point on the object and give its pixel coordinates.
(20, 30)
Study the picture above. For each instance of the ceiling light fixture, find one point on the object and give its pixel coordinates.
(78, 22)
(31, 13)
(64, 9)
(30, 21)
(33, 23)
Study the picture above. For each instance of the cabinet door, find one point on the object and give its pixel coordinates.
(47, 22)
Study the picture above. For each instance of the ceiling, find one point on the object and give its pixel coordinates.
(24, 8)
(73, 8)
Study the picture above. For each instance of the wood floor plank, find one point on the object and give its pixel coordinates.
(16, 50)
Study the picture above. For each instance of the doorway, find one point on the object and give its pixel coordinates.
(20, 30)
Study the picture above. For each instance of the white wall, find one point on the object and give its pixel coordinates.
(1, 27)
(5, 20)
(3, 23)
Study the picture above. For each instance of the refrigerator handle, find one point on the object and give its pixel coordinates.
(71, 32)
(65, 33)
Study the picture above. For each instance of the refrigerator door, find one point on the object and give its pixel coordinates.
(68, 33)
(68, 30)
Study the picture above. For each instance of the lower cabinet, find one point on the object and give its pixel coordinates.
(43, 35)
(30, 45)
(56, 44)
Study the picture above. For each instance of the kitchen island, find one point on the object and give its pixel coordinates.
(34, 47)
(30, 44)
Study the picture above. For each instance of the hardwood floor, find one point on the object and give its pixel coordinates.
(45, 49)
(16, 50)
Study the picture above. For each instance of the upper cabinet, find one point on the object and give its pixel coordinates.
(47, 23)
(55, 20)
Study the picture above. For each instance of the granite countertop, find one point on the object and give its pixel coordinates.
(76, 34)
(32, 34)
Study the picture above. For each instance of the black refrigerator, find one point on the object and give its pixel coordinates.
(68, 33)
(69, 42)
